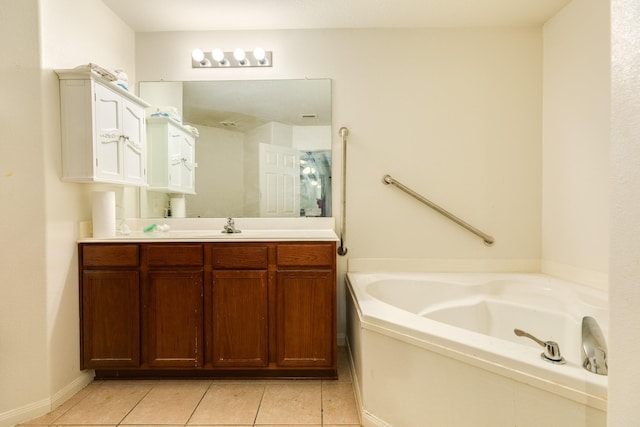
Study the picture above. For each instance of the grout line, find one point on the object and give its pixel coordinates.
(322, 403)
(255, 418)
(134, 406)
(195, 408)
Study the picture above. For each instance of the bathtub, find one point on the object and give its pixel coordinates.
(439, 349)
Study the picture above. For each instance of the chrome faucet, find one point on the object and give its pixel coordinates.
(594, 347)
(230, 227)
(551, 348)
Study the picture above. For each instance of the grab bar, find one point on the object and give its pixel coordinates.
(342, 250)
(488, 240)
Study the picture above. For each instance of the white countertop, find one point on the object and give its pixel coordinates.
(219, 236)
(210, 230)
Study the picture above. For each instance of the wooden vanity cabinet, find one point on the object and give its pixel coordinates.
(305, 305)
(239, 321)
(172, 295)
(209, 309)
(109, 306)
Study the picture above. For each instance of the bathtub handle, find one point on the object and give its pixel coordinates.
(551, 348)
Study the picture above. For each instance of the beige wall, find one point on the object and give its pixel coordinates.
(624, 293)
(576, 143)
(23, 310)
(449, 112)
(39, 354)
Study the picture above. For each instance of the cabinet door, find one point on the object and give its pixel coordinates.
(173, 319)
(133, 143)
(187, 148)
(305, 322)
(240, 318)
(108, 120)
(175, 158)
(110, 327)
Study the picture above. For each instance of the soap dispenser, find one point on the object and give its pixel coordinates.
(167, 211)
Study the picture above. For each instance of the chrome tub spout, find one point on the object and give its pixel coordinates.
(594, 347)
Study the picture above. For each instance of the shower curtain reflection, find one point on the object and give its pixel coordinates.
(315, 183)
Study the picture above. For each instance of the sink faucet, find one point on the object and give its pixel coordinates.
(230, 227)
(594, 347)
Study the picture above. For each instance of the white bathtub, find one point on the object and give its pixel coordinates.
(439, 349)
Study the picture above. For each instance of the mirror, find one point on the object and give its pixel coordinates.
(263, 147)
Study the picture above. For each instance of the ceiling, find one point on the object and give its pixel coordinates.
(211, 15)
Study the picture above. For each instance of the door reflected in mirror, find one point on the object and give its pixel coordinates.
(263, 147)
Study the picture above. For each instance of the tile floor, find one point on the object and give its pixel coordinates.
(220, 403)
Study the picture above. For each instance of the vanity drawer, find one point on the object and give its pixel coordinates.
(245, 256)
(168, 254)
(309, 255)
(99, 255)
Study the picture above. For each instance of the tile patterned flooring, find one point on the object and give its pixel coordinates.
(219, 403)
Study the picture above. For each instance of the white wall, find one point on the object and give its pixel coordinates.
(23, 309)
(74, 32)
(576, 143)
(219, 152)
(39, 338)
(448, 112)
(624, 293)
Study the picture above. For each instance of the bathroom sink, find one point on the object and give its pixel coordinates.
(244, 235)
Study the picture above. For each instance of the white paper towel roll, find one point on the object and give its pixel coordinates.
(104, 213)
(178, 209)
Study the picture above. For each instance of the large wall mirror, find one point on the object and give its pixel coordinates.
(263, 150)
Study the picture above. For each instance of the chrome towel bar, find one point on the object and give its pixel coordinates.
(342, 250)
(488, 240)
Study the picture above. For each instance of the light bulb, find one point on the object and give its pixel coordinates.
(217, 55)
(197, 55)
(239, 55)
(259, 54)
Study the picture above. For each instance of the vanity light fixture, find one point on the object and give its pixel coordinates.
(198, 56)
(240, 56)
(217, 58)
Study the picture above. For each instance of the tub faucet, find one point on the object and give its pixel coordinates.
(230, 227)
(551, 348)
(594, 347)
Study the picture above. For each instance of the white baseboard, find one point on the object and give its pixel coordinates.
(85, 378)
(44, 406)
(25, 412)
(370, 420)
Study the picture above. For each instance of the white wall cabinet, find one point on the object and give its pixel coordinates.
(172, 151)
(103, 131)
